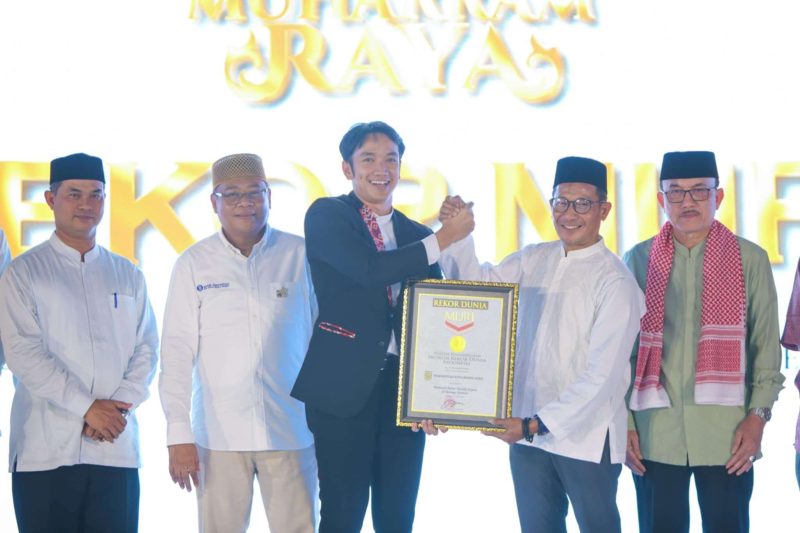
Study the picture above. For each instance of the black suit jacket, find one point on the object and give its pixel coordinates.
(350, 278)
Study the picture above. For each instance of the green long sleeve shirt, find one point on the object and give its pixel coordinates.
(687, 433)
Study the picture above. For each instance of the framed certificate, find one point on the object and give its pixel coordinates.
(457, 353)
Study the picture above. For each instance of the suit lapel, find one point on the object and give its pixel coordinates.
(352, 200)
(402, 229)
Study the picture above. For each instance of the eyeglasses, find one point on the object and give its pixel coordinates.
(581, 205)
(676, 196)
(234, 198)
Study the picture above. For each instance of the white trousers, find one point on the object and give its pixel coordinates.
(288, 483)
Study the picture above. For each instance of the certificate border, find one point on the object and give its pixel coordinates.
(503, 320)
(512, 289)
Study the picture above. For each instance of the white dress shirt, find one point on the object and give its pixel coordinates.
(578, 319)
(236, 330)
(5, 259)
(74, 331)
(390, 243)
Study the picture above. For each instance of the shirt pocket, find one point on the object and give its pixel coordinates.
(286, 301)
(123, 324)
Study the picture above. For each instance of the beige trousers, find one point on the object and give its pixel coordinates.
(288, 482)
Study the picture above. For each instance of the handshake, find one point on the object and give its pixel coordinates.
(457, 220)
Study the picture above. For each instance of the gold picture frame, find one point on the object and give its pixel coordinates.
(457, 347)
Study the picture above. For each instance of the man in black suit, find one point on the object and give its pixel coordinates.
(360, 250)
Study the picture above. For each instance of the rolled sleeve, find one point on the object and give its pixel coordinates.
(763, 346)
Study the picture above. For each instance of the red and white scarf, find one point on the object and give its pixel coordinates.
(371, 220)
(720, 366)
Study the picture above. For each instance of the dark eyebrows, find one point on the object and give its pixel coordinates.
(695, 186)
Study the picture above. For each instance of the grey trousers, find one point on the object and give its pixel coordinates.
(545, 484)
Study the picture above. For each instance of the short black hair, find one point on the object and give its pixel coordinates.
(358, 133)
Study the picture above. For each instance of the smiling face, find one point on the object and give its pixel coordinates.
(374, 170)
(691, 219)
(78, 207)
(243, 221)
(579, 230)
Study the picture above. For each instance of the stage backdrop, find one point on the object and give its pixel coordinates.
(487, 95)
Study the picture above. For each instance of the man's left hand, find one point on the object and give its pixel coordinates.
(512, 429)
(429, 427)
(746, 444)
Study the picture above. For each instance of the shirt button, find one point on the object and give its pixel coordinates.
(381, 344)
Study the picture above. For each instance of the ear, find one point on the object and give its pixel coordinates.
(50, 198)
(269, 198)
(605, 209)
(720, 194)
(213, 203)
(660, 198)
(347, 170)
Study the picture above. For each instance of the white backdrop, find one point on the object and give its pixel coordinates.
(143, 84)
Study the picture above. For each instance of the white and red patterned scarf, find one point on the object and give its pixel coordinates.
(720, 366)
(371, 220)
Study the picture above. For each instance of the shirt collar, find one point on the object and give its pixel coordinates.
(597, 247)
(683, 251)
(71, 253)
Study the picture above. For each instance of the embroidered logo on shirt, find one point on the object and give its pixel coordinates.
(201, 288)
(283, 292)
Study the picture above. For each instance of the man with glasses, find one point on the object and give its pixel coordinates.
(579, 312)
(238, 319)
(81, 340)
(707, 365)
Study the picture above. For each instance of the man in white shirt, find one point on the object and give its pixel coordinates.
(579, 314)
(5, 259)
(80, 337)
(239, 315)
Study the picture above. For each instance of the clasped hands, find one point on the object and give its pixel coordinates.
(457, 220)
(105, 420)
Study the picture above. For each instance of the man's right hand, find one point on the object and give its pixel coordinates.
(184, 465)
(450, 207)
(457, 224)
(106, 419)
(633, 454)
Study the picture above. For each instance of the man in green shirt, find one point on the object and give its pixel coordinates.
(707, 364)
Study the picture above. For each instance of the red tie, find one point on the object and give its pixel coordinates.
(375, 230)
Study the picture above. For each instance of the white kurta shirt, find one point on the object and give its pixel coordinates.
(74, 331)
(5, 259)
(578, 319)
(236, 331)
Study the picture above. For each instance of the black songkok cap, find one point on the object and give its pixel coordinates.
(679, 165)
(77, 167)
(581, 170)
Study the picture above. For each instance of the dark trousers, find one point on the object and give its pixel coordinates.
(78, 498)
(662, 497)
(545, 484)
(367, 452)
